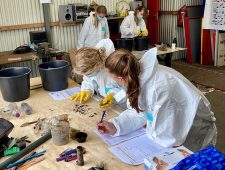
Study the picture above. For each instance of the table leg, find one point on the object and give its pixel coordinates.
(168, 59)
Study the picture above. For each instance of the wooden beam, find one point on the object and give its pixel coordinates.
(38, 25)
(168, 12)
(41, 25)
(19, 27)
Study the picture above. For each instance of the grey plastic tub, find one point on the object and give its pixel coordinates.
(125, 43)
(54, 75)
(15, 83)
(141, 43)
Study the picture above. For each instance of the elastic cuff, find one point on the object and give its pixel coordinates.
(88, 90)
(117, 127)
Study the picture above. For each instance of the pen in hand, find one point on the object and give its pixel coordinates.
(103, 115)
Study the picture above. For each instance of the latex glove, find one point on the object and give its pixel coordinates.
(83, 96)
(137, 32)
(107, 128)
(107, 101)
(144, 32)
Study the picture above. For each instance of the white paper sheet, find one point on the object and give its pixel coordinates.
(214, 17)
(69, 92)
(56, 95)
(136, 150)
(116, 140)
(64, 94)
(169, 157)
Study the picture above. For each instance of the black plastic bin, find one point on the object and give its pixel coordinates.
(141, 43)
(125, 43)
(54, 75)
(15, 83)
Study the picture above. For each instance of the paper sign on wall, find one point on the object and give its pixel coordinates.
(221, 50)
(45, 1)
(214, 16)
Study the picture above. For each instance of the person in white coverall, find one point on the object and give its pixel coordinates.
(89, 63)
(176, 112)
(95, 28)
(134, 25)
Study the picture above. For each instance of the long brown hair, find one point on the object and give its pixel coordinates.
(138, 9)
(101, 9)
(123, 63)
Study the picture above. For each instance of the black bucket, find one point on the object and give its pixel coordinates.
(125, 43)
(141, 43)
(15, 83)
(54, 75)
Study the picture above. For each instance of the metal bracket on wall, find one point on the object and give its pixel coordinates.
(46, 10)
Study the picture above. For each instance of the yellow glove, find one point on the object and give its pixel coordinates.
(137, 32)
(83, 96)
(144, 32)
(107, 101)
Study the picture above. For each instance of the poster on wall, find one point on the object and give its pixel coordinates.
(221, 50)
(214, 15)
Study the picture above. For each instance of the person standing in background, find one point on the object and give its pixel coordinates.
(95, 28)
(134, 25)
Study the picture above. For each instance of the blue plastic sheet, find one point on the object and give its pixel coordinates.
(206, 159)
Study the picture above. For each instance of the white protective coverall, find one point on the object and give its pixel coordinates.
(177, 113)
(129, 26)
(101, 83)
(90, 35)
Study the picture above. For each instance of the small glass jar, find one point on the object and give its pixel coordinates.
(60, 132)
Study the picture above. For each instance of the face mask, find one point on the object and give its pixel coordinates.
(122, 87)
(92, 74)
(139, 17)
(99, 18)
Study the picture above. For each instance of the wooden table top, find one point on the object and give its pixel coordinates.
(8, 57)
(45, 107)
(139, 54)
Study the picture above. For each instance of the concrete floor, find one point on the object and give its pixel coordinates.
(213, 77)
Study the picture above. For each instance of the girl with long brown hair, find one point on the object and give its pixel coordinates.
(177, 113)
(95, 28)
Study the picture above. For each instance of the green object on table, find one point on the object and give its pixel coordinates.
(11, 151)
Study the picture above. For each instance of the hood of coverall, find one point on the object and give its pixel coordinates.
(149, 64)
(107, 44)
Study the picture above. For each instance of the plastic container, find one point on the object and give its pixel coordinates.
(26, 108)
(15, 83)
(81, 137)
(14, 109)
(125, 43)
(54, 75)
(141, 43)
(60, 132)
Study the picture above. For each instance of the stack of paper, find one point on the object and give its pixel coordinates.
(132, 148)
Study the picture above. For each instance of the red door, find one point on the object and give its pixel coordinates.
(153, 20)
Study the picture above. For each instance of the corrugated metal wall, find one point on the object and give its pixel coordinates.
(14, 12)
(30, 11)
(168, 23)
